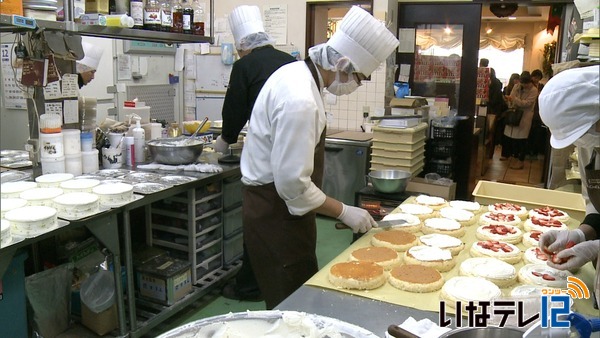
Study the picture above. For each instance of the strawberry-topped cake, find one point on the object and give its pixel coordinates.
(549, 212)
(503, 251)
(492, 217)
(532, 238)
(535, 255)
(544, 224)
(542, 274)
(509, 208)
(500, 232)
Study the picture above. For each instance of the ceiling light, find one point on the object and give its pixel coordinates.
(502, 10)
(488, 29)
(512, 18)
(447, 30)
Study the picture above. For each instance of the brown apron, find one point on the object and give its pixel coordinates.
(281, 246)
(592, 180)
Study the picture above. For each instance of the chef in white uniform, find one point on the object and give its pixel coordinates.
(282, 161)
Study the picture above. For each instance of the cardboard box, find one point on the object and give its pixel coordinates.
(487, 192)
(10, 7)
(399, 135)
(101, 323)
(408, 102)
(165, 280)
(420, 185)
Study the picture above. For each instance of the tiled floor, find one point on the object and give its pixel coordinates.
(499, 171)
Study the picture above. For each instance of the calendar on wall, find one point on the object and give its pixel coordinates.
(13, 96)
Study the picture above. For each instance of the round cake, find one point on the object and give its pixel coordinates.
(466, 289)
(79, 185)
(14, 189)
(509, 208)
(535, 255)
(413, 223)
(542, 274)
(416, 278)
(465, 217)
(357, 275)
(41, 196)
(385, 257)
(394, 239)
(491, 217)
(453, 244)
(5, 233)
(76, 204)
(549, 212)
(444, 226)
(499, 232)
(439, 259)
(30, 221)
(473, 207)
(421, 211)
(114, 194)
(532, 238)
(53, 180)
(544, 224)
(492, 269)
(7, 204)
(435, 203)
(503, 251)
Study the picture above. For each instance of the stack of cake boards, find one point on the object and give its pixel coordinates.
(413, 262)
(402, 149)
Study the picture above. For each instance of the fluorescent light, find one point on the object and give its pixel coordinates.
(512, 18)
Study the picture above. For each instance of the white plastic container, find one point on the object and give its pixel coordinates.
(89, 160)
(50, 123)
(7, 204)
(115, 139)
(51, 145)
(41, 196)
(72, 141)
(73, 164)
(87, 141)
(139, 142)
(53, 165)
(112, 158)
(53, 180)
(14, 189)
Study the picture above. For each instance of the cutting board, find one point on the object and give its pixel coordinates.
(352, 135)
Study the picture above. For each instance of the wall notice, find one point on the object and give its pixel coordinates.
(13, 96)
(275, 21)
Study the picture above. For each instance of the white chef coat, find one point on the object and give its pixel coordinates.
(286, 125)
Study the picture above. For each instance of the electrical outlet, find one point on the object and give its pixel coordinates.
(22, 21)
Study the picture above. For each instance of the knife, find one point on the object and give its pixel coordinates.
(380, 224)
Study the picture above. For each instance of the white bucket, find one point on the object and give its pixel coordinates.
(112, 158)
(89, 160)
(72, 141)
(51, 145)
(73, 164)
(53, 165)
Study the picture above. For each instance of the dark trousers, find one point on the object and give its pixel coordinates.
(245, 280)
(514, 147)
(537, 139)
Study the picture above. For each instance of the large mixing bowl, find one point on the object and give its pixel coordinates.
(484, 332)
(175, 150)
(389, 181)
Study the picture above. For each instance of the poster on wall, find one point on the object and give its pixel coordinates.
(275, 21)
(13, 96)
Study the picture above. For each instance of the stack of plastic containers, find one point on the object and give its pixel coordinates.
(89, 153)
(52, 154)
(72, 148)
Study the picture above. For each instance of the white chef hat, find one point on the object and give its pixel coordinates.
(91, 59)
(570, 104)
(363, 39)
(243, 21)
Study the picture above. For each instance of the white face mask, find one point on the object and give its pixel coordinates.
(339, 88)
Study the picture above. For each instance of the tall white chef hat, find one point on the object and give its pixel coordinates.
(91, 59)
(363, 39)
(570, 104)
(243, 21)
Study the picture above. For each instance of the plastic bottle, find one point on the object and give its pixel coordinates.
(152, 15)
(119, 20)
(188, 17)
(139, 141)
(198, 28)
(165, 16)
(137, 13)
(129, 151)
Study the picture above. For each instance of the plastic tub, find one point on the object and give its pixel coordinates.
(73, 164)
(53, 180)
(87, 141)
(50, 123)
(89, 160)
(51, 145)
(53, 165)
(14, 189)
(72, 141)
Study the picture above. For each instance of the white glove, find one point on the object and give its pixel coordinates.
(577, 256)
(220, 145)
(556, 240)
(356, 218)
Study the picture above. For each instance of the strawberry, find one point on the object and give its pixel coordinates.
(535, 273)
(547, 276)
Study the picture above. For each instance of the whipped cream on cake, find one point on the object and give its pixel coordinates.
(30, 221)
(549, 212)
(535, 255)
(489, 268)
(532, 238)
(53, 180)
(544, 224)
(114, 193)
(467, 289)
(463, 216)
(41, 196)
(509, 208)
(542, 274)
(473, 207)
(431, 201)
(440, 241)
(79, 185)
(413, 223)
(14, 189)
(7, 204)
(499, 232)
(442, 223)
(429, 253)
(415, 209)
(491, 217)
(76, 204)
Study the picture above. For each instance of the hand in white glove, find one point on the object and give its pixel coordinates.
(577, 256)
(356, 218)
(221, 146)
(556, 240)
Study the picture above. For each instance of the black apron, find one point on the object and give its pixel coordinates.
(281, 246)
(592, 180)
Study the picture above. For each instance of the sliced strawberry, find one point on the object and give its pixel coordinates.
(570, 244)
(548, 277)
(535, 273)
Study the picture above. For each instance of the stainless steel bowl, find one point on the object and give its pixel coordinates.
(389, 181)
(484, 332)
(175, 150)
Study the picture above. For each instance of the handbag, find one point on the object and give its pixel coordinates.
(512, 116)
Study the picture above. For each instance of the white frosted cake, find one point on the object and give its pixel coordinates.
(76, 204)
(7, 204)
(446, 226)
(5, 236)
(453, 244)
(499, 232)
(466, 289)
(503, 251)
(509, 208)
(473, 207)
(79, 185)
(532, 238)
(542, 274)
(465, 217)
(53, 180)
(413, 223)
(491, 217)
(41, 196)
(549, 212)
(433, 257)
(535, 255)
(31, 221)
(421, 211)
(544, 224)
(113, 194)
(435, 203)
(14, 189)
(492, 269)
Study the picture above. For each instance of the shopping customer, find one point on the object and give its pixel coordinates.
(258, 60)
(282, 161)
(523, 96)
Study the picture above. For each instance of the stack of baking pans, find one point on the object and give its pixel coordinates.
(40, 9)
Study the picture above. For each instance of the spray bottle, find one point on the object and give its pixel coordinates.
(139, 140)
